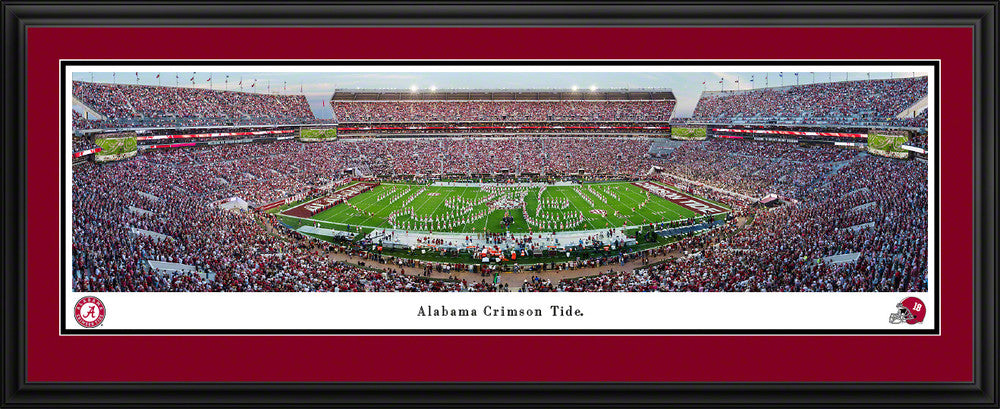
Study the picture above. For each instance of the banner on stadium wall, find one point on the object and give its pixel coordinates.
(208, 143)
(229, 141)
(800, 133)
(764, 138)
(820, 143)
(897, 155)
(86, 152)
(214, 135)
(172, 145)
(914, 149)
(114, 157)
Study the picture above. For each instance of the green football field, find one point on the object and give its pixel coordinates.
(449, 209)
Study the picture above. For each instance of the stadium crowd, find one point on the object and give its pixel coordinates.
(265, 172)
(874, 206)
(423, 111)
(156, 207)
(79, 122)
(82, 144)
(755, 169)
(502, 129)
(851, 102)
(157, 106)
(116, 206)
(550, 155)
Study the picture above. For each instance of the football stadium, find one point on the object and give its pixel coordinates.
(800, 188)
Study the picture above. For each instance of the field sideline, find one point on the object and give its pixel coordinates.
(429, 202)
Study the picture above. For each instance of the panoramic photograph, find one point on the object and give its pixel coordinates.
(498, 181)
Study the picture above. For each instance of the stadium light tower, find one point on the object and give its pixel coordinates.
(434, 88)
(413, 88)
(575, 88)
(593, 88)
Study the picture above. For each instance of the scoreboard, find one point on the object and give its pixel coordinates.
(888, 142)
(317, 134)
(115, 146)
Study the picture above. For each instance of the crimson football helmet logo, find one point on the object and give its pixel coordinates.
(910, 311)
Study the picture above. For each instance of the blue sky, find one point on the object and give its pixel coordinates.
(318, 87)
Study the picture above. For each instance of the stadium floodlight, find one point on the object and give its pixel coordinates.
(434, 88)
(413, 88)
(593, 88)
(575, 88)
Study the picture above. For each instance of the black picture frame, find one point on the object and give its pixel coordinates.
(18, 16)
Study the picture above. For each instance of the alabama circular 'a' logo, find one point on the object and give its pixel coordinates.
(89, 312)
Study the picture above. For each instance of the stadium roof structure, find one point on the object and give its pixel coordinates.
(606, 94)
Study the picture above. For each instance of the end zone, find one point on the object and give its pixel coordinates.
(682, 199)
(311, 208)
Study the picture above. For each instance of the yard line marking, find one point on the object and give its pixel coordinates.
(589, 220)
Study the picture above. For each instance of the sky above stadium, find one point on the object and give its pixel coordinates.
(318, 86)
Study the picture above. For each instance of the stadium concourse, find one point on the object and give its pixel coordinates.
(162, 207)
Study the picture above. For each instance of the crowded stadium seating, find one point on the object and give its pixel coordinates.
(837, 201)
(82, 144)
(417, 111)
(779, 251)
(865, 102)
(172, 186)
(754, 168)
(157, 106)
(470, 112)
(79, 122)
